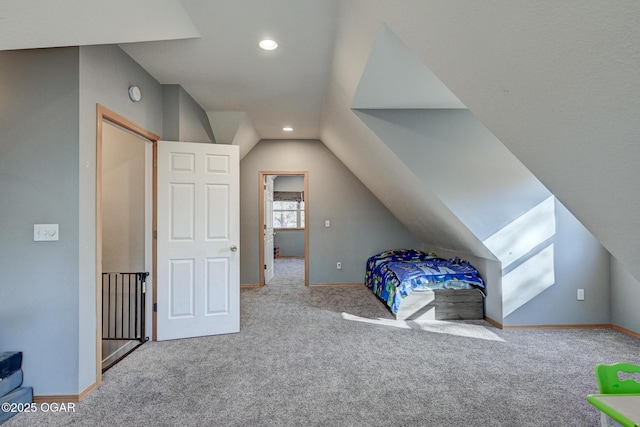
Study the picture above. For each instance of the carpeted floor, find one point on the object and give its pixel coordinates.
(331, 356)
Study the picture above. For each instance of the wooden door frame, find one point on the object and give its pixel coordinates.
(261, 176)
(104, 114)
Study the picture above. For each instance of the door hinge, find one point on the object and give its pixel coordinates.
(155, 307)
(155, 234)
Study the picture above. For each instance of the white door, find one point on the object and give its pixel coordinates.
(268, 228)
(198, 261)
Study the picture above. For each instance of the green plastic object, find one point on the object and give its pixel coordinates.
(610, 383)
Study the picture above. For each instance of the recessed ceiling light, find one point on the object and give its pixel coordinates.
(268, 44)
(287, 129)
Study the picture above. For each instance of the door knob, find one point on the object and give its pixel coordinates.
(234, 248)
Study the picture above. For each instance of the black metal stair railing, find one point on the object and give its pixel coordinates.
(123, 306)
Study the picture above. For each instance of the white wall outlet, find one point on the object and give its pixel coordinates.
(339, 265)
(580, 294)
(45, 232)
(327, 223)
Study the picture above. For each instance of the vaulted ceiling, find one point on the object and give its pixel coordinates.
(555, 82)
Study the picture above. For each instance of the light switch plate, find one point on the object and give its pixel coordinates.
(327, 223)
(45, 232)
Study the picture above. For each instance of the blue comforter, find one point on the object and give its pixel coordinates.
(437, 273)
(394, 274)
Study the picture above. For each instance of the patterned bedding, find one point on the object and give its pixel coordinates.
(394, 274)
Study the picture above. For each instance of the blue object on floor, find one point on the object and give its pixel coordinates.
(21, 395)
(10, 361)
(11, 382)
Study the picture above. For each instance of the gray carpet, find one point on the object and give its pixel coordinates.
(331, 356)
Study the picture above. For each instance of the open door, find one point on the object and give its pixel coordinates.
(198, 261)
(268, 228)
(265, 251)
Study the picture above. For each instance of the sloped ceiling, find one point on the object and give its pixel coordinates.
(395, 78)
(391, 77)
(556, 82)
(29, 24)
(235, 128)
(392, 182)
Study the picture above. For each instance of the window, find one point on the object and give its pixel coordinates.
(288, 214)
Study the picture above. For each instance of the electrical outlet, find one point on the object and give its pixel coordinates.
(339, 265)
(580, 294)
(327, 223)
(45, 232)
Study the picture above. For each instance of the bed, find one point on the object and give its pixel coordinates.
(417, 285)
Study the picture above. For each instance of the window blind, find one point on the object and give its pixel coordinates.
(288, 196)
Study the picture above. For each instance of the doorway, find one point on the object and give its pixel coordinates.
(284, 231)
(124, 267)
(124, 245)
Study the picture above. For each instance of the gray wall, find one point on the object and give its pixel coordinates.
(290, 242)
(106, 73)
(489, 190)
(579, 262)
(39, 311)
(625, 294)
(183, 119)
(48, 167)
(360, 225)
